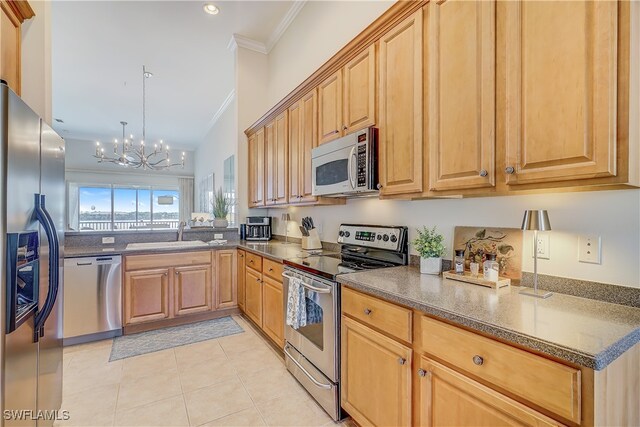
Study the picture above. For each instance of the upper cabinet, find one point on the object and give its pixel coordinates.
(303, 137)
(561, 93)
(460, 94)
(400, 108)
(256, 169)
(330, 111)
(13, 14)
(359, 94)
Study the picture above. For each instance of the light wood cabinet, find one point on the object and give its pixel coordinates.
(295, 152)
(146, 295)
(12, 15)
(256, 165)
(192, 289)
(330, 108)
(272, 310)
(376, 376)
(269, 164)
(303, 137)
(240, 277)
(448, 398)
(276, 161)
(359, 93)
(226, 283)
(460, 94)
(253, 295)
(561, 93)
(400, 108)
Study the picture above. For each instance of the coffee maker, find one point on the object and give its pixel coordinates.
(258, 228)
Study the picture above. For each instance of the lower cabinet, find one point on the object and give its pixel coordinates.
(448, 398)
(146, 296)
(226, 283)
(240, 278)
(192, 289)
(376, 376)
(272, 310)
(253, 296)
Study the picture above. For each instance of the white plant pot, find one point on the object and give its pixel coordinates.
(220, 223)
(430, 265)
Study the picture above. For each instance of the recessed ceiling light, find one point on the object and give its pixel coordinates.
(211, 9)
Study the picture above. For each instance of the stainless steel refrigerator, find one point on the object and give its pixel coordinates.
(31, 250)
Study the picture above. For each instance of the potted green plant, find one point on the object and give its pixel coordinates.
(429, 246)
(221, 205)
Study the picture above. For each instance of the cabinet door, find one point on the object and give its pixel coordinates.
(330, 108)
(360, 91)
(253, 296)
(308, 141)
(461, 94)
(400, 99)
(269, 163)
(295, 154)
(448, 398)
(561, 64)
(192, 289)
(240, 277)
(146, 296)
(376, 377)
(281, 153)
(256, 169)
(226, 284)
(273, 314)
(10, 47)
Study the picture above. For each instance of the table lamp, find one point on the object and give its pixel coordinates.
(286, 218)
(537, 220)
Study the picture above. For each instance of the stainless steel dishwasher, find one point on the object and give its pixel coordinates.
(92, 298)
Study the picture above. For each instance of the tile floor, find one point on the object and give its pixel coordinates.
(237, 380)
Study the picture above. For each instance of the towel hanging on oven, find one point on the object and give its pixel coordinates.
(296, 304)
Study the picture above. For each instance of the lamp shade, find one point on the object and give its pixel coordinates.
(536, 220)
(285, 217)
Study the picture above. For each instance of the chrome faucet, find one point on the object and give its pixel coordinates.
(181, 227)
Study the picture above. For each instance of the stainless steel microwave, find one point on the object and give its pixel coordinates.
(347, 166)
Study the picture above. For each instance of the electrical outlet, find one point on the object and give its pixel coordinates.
(108, 240)
(218, 236)
(543, 246)
(590, 249)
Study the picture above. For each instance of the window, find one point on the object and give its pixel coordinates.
(114, 207)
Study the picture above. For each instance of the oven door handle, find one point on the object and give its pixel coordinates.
(313, 288)
(350, 166)
(316, 382)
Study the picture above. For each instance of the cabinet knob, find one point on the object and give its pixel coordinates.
(250, 261)
(367, 311)
(422, 372)
(165, 274)
(478, 360)
(335, 131)
(344, 128)
(176, 273)
(270, 269)
(379, 186)
(510, 170)
(402, 360)
(483, 173)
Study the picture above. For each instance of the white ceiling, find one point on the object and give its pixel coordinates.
(99, 47)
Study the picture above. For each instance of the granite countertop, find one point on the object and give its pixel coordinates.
(587, 332)
(274, 250)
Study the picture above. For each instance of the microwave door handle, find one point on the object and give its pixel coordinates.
(350, 166)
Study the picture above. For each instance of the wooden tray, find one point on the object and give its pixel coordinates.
(479, 280)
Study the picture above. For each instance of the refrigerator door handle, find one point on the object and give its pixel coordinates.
(45, 219)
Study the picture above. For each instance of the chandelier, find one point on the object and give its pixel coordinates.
(128, 155)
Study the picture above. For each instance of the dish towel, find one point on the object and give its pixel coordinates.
(314, 311)
(296, 305)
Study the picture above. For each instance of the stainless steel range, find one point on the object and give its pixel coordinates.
(312, 352)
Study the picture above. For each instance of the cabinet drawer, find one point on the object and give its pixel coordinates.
(543, 382)
(254, 261)
(272, 269)
(140, 262)
(387, 317)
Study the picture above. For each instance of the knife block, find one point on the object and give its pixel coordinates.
(312, 241)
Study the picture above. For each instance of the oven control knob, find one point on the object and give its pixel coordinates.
(379, 237)
(347, 234)
(394, 238)
(341, 233)
(385, 237)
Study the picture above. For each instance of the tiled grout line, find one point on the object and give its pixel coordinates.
(184, 398)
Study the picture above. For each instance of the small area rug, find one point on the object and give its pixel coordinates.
(161, 339)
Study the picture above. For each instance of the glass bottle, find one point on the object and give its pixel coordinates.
(490, 267)
(459, 261)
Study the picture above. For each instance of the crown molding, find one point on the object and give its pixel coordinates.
(223, 107)
(247, 43)
(287, 19)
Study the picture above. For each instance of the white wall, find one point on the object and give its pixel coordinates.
(36, 59)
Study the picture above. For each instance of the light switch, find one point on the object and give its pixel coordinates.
(108, 240)
(590, 249)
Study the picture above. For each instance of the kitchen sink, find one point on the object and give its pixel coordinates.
(165, 245)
